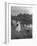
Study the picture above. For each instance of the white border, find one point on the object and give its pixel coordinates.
(9, 22)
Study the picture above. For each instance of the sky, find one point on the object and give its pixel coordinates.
(17, 9)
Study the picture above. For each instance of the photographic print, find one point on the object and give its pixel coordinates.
(21, 22)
